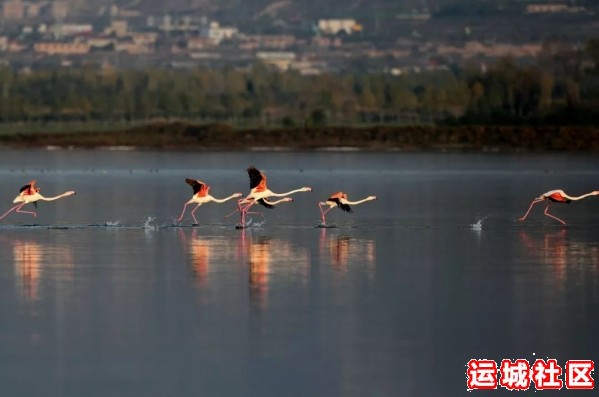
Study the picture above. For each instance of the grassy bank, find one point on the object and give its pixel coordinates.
(183, 136)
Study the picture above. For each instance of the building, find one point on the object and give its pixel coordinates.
(270, 41)
(474, 49)
(144, 38)
(547, 8)
(279, 59)
(34, 10)
(97, 43)
(118, 28)
(218, 33)
(72, 29)
(59, 9)
(336, 26)
(199, 43)
(13, 10)
(61, 48)
(133, 48)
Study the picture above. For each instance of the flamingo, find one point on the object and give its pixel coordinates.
(201, 196)
(556, 196)
(340, 200)
(30, 193)
(259, 193)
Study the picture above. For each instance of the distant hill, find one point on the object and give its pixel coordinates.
(370, 12)
(273, 8)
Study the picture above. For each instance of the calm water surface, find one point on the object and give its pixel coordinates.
(101, 296)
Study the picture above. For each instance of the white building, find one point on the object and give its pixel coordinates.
(218, 33)
(279, 59)
(72, 29)
(335, 26)
(546, 8)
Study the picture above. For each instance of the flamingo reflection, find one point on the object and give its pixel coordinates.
(264, 257)
(260, 262)
(200, 252)
(341, 250)
(268, 257)
(560, 251)
(30, 258)
(205, 250)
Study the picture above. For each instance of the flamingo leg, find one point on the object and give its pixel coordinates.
(323, 213)
(256, 213)
(25, 212)
(535, 201)
(183, 213)
(193, 216)
(238, 208)
(226, 216)
(244, 211)
(11, 210)
(551, 216)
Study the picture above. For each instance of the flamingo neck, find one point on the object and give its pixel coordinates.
(223, 199)
(276, 201)
(53, 198)
(359, 201)
(581, 197)
(287, 193)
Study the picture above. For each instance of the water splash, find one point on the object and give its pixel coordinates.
(478, 226)
(112, 223)
(250, 223)
(260, 224)
(147, 224)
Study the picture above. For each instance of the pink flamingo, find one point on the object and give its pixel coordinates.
(201, 196)
(339, 199)
(259, 193)
(556, 196)
(31, 194)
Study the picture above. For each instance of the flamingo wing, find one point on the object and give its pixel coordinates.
(264, 203)
(29, 188)
(198, 186)
(557, 197)
(341, 205)
(257, 179)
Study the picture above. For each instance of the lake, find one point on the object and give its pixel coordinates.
(105, 294)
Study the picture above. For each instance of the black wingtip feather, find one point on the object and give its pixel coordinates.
(255, 176)
(345, 207)
(264, 203)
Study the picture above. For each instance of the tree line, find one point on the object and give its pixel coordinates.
(561, 87)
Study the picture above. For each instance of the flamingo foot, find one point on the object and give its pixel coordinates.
(321, 226)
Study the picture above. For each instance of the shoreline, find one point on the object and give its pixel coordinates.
(180, 136)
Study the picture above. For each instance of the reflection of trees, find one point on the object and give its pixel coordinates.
(342, 250)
